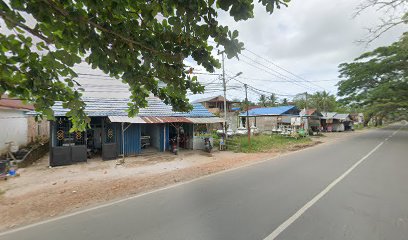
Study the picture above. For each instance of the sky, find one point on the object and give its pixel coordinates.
(296, 49)
(309, 39)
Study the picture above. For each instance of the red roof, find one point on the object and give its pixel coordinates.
(14, 103)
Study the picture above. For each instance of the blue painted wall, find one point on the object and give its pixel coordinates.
(167, 136)
(132, 139)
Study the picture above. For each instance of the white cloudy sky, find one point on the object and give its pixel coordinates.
(308, 38)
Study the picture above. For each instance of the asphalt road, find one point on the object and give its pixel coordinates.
(356, 188)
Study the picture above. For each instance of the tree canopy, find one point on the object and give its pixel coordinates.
(322, 101)
(138, 42)
(270, 101)
(378, 80)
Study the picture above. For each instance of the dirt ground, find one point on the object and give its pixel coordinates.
(41, 192)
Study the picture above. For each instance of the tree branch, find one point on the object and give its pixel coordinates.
(106, 30)
(25, 27)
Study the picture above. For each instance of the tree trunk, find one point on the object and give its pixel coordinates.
(367, 119)
(380, 120)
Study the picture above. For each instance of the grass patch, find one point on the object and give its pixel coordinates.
(266, 143)
(2, 192)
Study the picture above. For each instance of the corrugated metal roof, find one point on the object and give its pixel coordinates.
(165, 120)
(126, 119)
(13, 103)
(307, 112)
(104, 107)
(267, 111)
(208, 99)
(342, 116)
(206, 120)
(328, 115)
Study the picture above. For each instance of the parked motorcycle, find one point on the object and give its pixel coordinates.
(207, 145)
(173, 144)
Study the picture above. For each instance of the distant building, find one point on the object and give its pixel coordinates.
(358, 118)
(16, 126)
(336, 122)
(311, 119)
(215, 104)
(267, 119)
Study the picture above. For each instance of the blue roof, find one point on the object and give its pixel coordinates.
(104, 107)
(274, 111)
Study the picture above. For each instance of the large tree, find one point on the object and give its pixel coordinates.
(323, 101)
(139, 42)
(377, 81)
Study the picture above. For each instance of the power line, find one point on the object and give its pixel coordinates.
(283, 69)
(270, 80)
(296, 83)
(268, 70)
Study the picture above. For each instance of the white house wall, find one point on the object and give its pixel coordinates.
(13, 128)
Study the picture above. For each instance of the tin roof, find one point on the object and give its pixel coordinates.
(271, 111)
(328, 115)
(13, 103)
(126, 119)
(309, 112)
(342, 116)
(206, 120)
(201, 120)
(104, 107)
(218, 98)
(165, 120)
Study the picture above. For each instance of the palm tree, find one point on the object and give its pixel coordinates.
(273, 100)
(263, 101)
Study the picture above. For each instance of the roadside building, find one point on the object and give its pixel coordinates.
(215, 104)
(268, 119)
(336, 122)
(357, 118)
(112, 133)
(16, 126)
(345, 120)
(311, 119)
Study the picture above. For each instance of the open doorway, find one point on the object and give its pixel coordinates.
(150, 138)
(185, 134)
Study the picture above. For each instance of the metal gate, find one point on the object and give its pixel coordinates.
(109, 148)
(68, 147)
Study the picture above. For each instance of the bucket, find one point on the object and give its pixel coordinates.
(12, 172)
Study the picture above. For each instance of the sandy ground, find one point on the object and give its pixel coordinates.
(41, 192)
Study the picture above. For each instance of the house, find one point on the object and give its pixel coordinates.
(112, 133)
(16, 126)
(345, 119)
(336, 122)
(215, 104)
(358, 118)
(311, 119)
(267, 119)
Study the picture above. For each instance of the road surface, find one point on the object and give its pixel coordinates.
(356, 188)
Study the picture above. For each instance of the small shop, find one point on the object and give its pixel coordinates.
(113, 134)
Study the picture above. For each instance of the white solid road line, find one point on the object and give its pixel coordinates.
(309, 204)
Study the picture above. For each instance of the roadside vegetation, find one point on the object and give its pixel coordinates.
(266, 143)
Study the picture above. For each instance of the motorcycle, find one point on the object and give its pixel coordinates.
(173, 144)
(207, 145)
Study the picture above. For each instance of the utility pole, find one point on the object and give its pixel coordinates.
(247, 116)
(225, 97)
